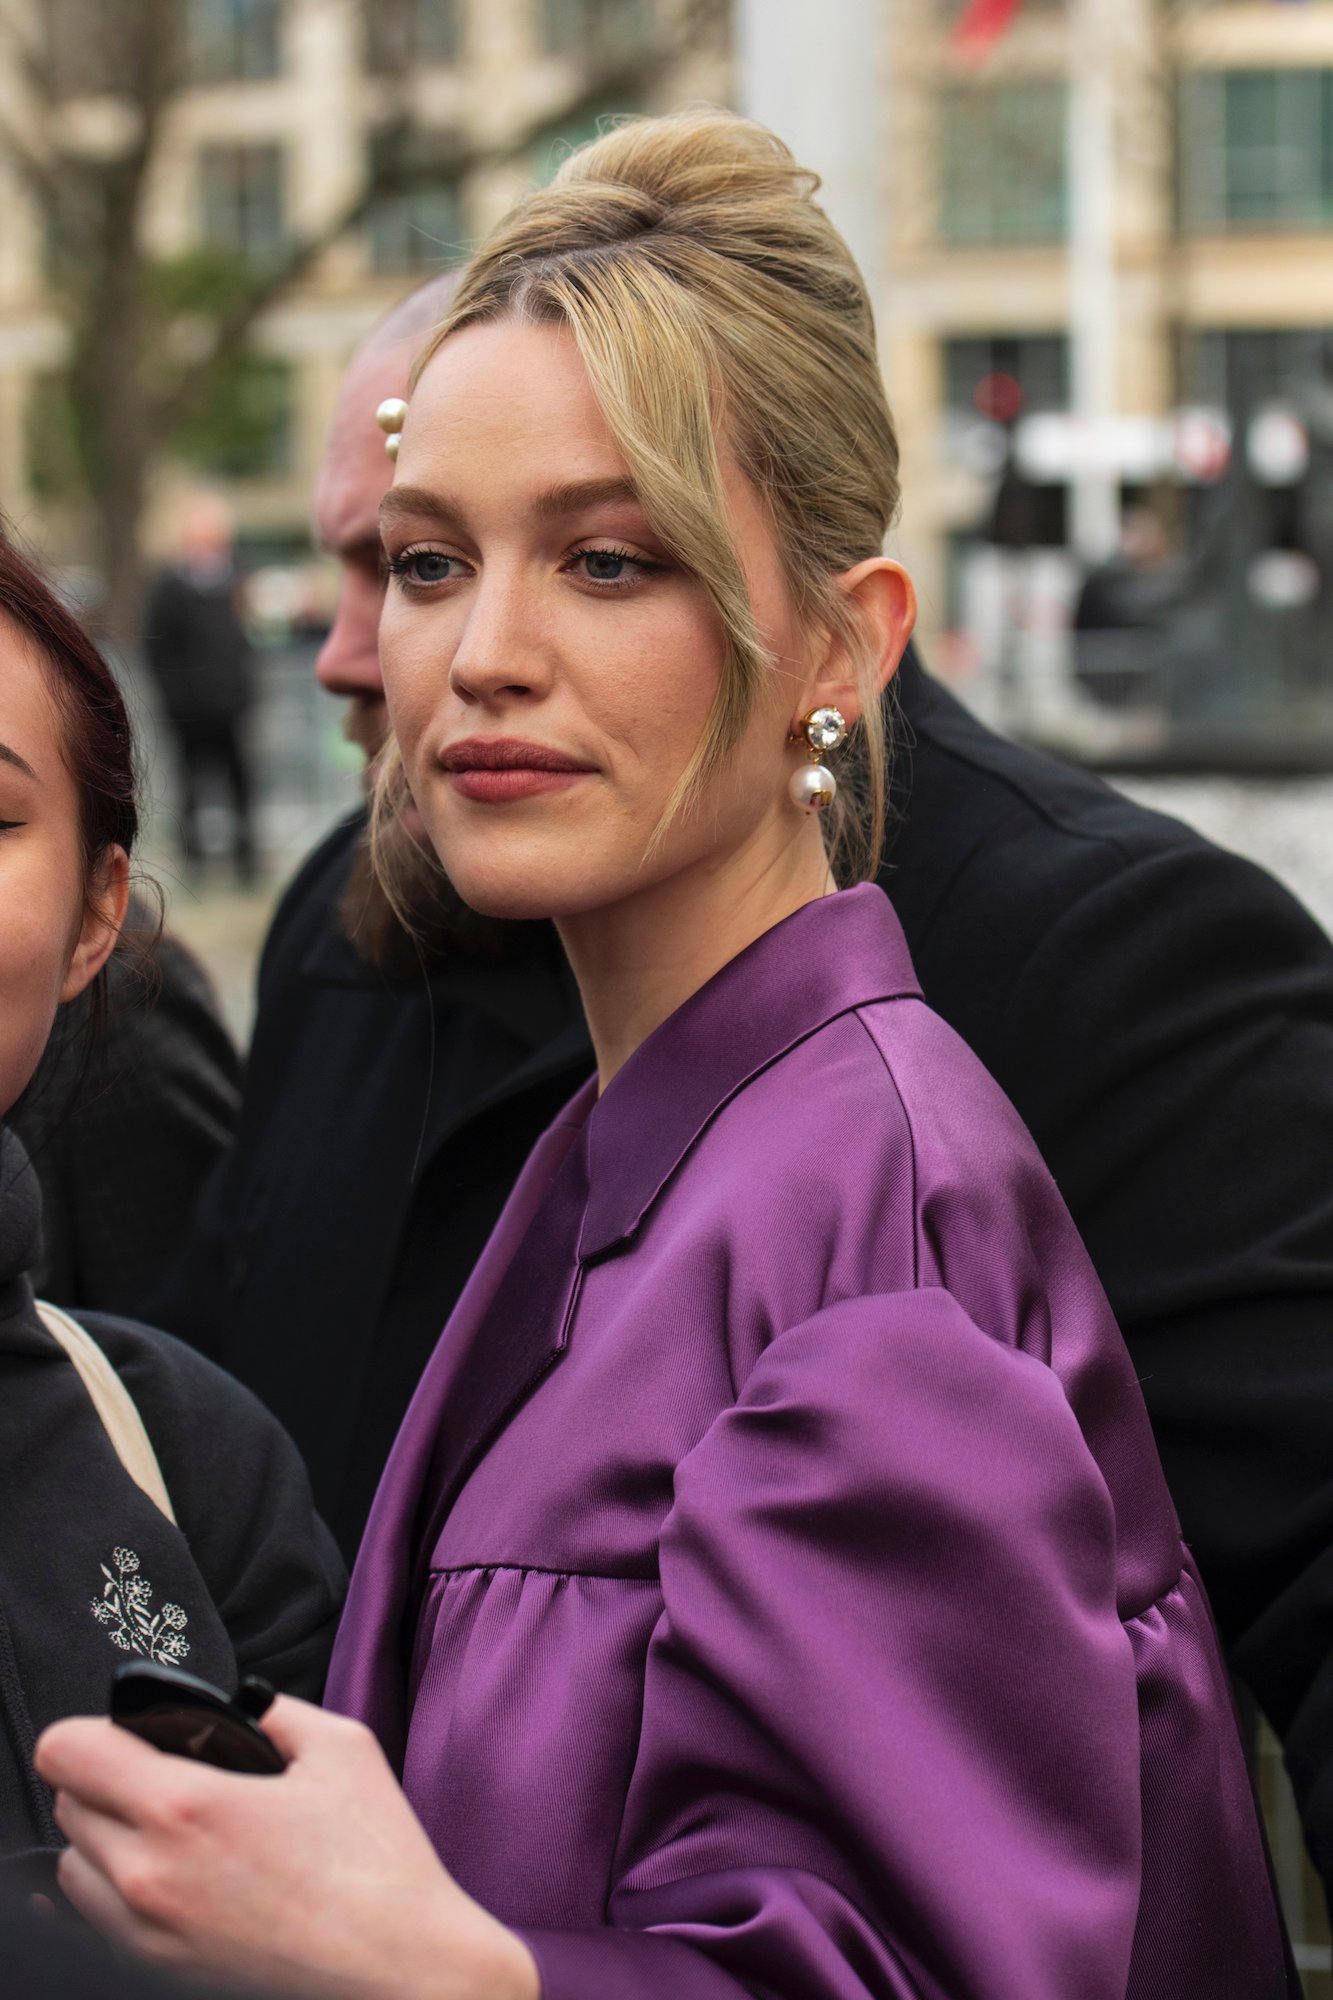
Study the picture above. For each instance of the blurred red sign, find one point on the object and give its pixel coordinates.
(981, 25)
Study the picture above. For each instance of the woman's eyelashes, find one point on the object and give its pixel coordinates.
(606, 567)
(611, 568)
(421, 568)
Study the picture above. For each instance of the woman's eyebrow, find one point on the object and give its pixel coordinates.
(8, 756)
(404, 502)
(571, 495)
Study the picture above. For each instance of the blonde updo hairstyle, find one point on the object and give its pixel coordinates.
(708, 293)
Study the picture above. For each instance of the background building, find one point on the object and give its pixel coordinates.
(1099, 234)
(336, 151)
(1099, 238)
(1206, 302)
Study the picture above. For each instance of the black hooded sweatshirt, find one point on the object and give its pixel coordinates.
(91, 1573)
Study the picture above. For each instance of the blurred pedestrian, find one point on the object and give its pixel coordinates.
(201, 658)
(151, 1509)
(1117, 644)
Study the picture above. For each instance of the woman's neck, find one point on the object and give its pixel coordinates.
(638, 960)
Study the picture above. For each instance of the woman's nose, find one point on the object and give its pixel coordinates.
(500, 654)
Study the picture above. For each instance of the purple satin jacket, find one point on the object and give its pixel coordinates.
(773, 1589)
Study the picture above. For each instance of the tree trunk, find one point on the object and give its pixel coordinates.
(119, 439)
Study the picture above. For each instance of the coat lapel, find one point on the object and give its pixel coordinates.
(367, 1677)
(518, 1337)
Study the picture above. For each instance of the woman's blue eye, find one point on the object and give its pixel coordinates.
(605, 565)
(424, 566)
(617, 569)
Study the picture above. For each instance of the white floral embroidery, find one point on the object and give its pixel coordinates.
(123, 1611)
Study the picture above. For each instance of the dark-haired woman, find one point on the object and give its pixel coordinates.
(216, 1560)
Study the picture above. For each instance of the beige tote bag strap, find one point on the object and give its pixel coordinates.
(113, 1404)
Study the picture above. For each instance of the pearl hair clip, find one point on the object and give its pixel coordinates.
(389, 416)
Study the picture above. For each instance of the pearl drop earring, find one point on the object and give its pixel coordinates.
(814, 787)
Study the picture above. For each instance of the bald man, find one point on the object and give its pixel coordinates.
(394, 1085)
(1160, 1012)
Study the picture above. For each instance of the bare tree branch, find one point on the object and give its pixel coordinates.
(78, 66)
(453, 157)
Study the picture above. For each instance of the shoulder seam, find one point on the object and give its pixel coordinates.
(892, 1082)
(1041, 810)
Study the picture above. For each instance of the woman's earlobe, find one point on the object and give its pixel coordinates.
(103, 916)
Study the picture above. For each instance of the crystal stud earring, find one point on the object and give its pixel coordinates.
(389, 416)
(814, 787)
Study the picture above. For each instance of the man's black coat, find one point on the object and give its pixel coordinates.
(197, 648)
(1160, 1012)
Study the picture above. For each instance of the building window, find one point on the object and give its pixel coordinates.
(407, 34)
(418, 225)
(592, 32)
(1257, 149)
(1002, 163)
(233, 41)
(1037, 362)
(241, 208)
(1240, 368)
(73, 223)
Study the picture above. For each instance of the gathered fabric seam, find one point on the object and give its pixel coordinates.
(1182, 1576)
(540, 1569)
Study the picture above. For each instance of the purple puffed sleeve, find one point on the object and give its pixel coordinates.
(890, 1736)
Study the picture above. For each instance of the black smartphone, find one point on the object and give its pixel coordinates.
(178, 1712)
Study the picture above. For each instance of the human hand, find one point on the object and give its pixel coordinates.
(320, 1881)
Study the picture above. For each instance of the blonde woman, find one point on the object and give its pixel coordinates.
(773, 1590)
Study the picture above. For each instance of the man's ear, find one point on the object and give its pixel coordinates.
(103, 914)
(884, 600)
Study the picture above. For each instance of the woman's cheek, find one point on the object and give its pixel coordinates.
(409, 711)
(33, 958)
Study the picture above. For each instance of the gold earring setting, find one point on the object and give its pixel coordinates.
(813, 788)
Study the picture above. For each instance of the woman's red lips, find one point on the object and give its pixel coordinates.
(503, 768)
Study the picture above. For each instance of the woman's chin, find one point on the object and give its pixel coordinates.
(521, 895)
(508, 901)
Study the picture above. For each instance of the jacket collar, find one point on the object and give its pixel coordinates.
(589, 1182)
(833, 955)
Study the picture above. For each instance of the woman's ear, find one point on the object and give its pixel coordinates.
(884, 604)
(104, 909)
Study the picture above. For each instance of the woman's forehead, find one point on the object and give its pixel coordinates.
(506, 410)
(30, 721)
(506, 372)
